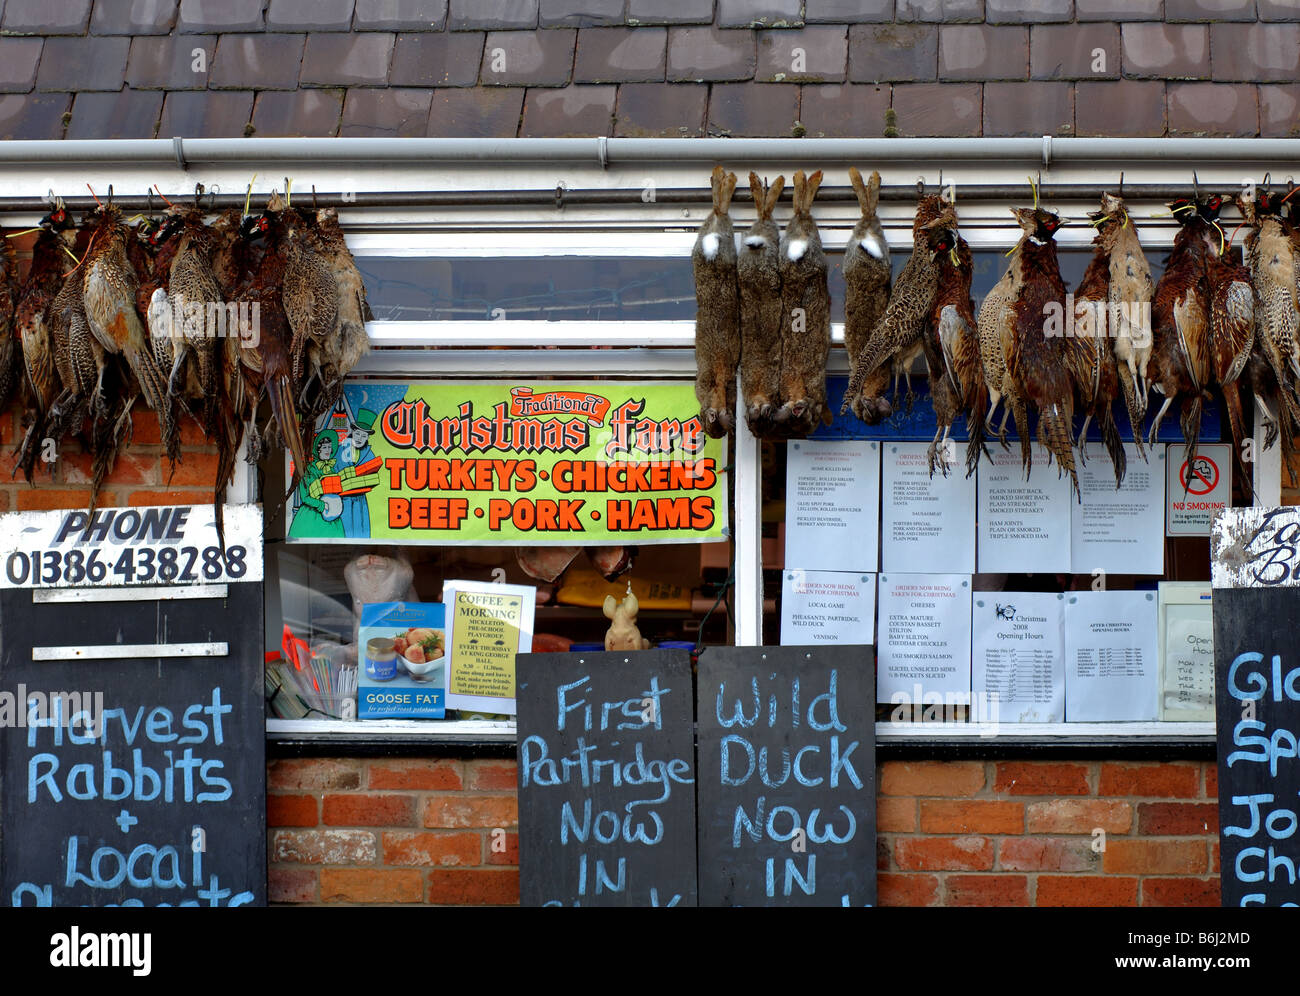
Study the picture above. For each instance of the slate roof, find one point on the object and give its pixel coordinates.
(673, 68)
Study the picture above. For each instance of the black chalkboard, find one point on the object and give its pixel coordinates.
(163, 800)
(1257, 704)
(787, 770)
(606, 779)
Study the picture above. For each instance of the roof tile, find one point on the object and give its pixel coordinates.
(670, 12)
(1074, 51)
(442, 58)
(33, 115)
(759, 13)
(844, 110)
(849, 11)
(133, 17)
(702, 54)
(753, 109)
(400, 15)
(950, 11)
(886, 52)
(1027, 11)
(1213, 109)
(660, 110)
(309, 15)
(297, 113)
(481, 112)
(1119, 108)
(1261, 53)
(1166, 51)
(528, 58)
(1117, 10)
(46, 17)
(170, 62)
(83, 63)
(580, 14)
(574, 112)
(198, 16)
(394, 112)
(634, 55)
(206, 115)
(353, 59)
(467, 15)
(1279, 110)
(1278, 10)
(817, 54)
(258, 62)
(1017, 109)
(1209, 10)
(938, 109)
(126, 114)
(18, 59)
(983, 52)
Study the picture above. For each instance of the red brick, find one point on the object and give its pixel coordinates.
(1080, 816)
(414, 774)
(1211, 781)
(1214, 857)
(291, 885)
(492, 776)
(145, 431)
(368, 810)
(432, 848)
(135, 466)
(944, 778)
(894, 889)
(170, 497)
(193, 470)
(987, 890)
(324, 847)
(291, 811)
(1030, 778)
(502, 848)
(1172, 819)
(1047, 854)
(455, 811)
(944, 853)
(971, 816)
(1166, 780)
(895, 815)
(299, 774)
(43, 498)
(1155, 857)
(465, 887)
(371, 885)
(1088, 890)
(1181, 892)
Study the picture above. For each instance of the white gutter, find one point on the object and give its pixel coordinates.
(625, 151)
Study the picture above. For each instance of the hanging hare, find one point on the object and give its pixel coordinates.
(866, 294)
(805, 317)
(717, 314)
(759, 275)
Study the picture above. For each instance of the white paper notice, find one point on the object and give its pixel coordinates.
(1186, 652)
(926, 523)
(1111, 665)
(1018, 656)
(1119, 531)
(923, 642)
(1024, 526)
(827, 607)
(832, 504)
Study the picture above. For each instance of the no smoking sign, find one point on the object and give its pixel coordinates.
(1196, 489)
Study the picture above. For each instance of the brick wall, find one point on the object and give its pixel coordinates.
(951, 833)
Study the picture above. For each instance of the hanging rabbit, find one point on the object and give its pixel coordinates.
(717, 314)
(759, 275)
(866, 295)
(805, 317)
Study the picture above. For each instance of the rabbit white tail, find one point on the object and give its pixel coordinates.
(796, 249)
(755, 242)
(870, 244)
(709, 245)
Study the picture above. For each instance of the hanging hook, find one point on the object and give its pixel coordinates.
(110, 195)
(148, 193)
(1121, 185)
(314, 205)
(920, 186)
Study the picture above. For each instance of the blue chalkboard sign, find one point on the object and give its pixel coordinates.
(787, 771)
(606, 779)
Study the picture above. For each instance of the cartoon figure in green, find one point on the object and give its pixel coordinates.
(318, 518)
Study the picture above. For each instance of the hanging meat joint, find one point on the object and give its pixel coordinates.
(717, 311)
